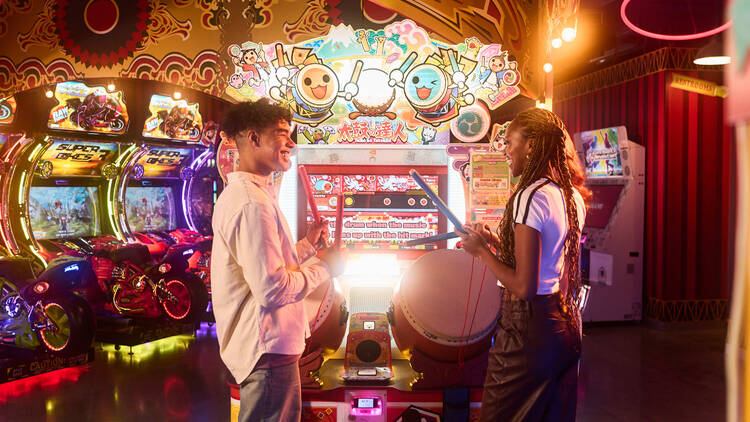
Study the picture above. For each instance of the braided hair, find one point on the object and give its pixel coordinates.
(552, 155)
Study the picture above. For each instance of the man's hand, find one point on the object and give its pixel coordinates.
(335, 258)
(317, 234)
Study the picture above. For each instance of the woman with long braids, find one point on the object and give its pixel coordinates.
(533, 364)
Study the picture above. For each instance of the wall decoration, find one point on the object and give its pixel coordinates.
(175, 68)
(32, 72)
(173, 119)
(394, 85)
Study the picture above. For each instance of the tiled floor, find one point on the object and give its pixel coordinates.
(628, 373)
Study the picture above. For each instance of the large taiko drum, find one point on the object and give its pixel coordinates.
(327, 315)
(429, 307)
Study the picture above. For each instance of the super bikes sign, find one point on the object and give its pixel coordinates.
(395, 80)
(164, 162)
(78, 158)
(88, 109)
(173, 119)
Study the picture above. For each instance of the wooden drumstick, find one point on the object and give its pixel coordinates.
(339, 220)
(302, 171)
(280, 55)
(357, 70)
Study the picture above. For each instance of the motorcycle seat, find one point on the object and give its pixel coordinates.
(135, 254)
(17, 269)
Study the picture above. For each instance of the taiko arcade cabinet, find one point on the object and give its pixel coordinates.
(404, 331)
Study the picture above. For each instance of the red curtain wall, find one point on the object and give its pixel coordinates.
(690, 180)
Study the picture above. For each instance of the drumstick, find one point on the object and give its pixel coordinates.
(280, 62)
(430, 239)
(357, 71)
(339, 220)
(302, 171)
(408, 62)
(436, 200)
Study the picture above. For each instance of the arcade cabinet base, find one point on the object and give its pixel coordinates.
(124, 331)
(18, 363)
(338, 401)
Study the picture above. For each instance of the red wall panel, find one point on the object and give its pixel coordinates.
(689, 179)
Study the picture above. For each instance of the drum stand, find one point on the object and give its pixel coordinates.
(438, 375)
(309, 364)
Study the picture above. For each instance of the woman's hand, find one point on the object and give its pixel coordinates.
(474, 240)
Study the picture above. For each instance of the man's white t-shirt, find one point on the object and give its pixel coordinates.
(541, 206)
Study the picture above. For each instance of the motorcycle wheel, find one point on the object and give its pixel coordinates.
(191, 295)
(76, 325)
(117, 124)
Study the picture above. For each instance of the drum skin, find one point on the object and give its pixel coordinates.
(429, 307)
(327, 315)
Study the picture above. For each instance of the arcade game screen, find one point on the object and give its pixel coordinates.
(601, 151)
(60, 212)
(150, 208)
(380, 211)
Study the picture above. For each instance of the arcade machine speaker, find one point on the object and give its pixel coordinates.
(368, 349)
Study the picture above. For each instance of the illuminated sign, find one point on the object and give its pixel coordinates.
(375, 86)
(601, 151)
(88, 109)
(7, 110)
(173, 119)
(164, 162)
(78, 158)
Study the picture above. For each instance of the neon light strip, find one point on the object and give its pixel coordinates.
(667, 37)
(187, 187)
(36, 149)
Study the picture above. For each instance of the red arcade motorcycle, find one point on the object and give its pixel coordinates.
(132, 282)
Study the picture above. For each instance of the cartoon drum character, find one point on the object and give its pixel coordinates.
(435, 95)
(312, 92)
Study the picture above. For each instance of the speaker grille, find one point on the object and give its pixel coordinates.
(368, 350)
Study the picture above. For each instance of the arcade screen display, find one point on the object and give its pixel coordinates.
(601, 152)
(380, 211)
(150, 208)
(64, 211)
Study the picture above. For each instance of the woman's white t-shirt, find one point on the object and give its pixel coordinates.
(541, 206)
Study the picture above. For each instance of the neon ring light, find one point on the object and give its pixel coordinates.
(667, 37)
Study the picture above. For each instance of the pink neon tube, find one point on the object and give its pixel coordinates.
(666, 37)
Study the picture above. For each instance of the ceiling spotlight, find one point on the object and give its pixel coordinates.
(541, 104)
(711, 54)
(547, 67)
(110, 87)
(556, 43)
(48, 93)
(177, 95)
(568, 34)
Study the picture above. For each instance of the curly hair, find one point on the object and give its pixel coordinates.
(552, 155)
(255, 115)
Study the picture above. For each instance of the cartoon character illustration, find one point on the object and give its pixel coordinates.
(375, 97)
(96, 111)
(250, 64)
(179, 122)
(427, 134)
(498, 72)
(317, 135)
(311, 92)
(435, 94)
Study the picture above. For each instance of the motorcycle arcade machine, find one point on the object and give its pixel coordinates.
(612, 254)
(161, 206)
(68, 203)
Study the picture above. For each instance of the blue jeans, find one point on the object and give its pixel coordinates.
(271, 395)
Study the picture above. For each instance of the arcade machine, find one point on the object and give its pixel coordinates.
(369, 107)
(161, 206)
(612, 254)
(69, 196)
